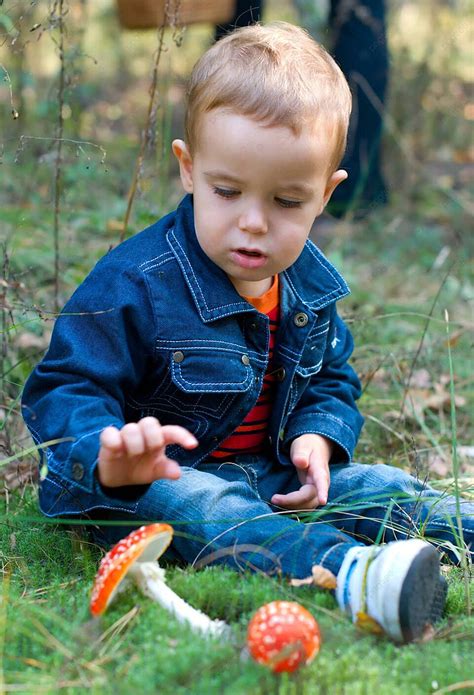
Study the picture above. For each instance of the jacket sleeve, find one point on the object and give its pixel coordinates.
(101, 348)
(327, 405)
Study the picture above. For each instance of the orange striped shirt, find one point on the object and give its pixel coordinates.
(251, 435)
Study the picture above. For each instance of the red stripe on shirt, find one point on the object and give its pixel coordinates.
(251, 435)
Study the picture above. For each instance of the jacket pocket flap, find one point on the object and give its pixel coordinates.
(198, 371)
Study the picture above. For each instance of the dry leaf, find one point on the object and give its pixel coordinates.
(454, 338)
(368, 624)
(466, 451)
(30, 341)
(428, 634)
(301, 582)
(420, 379)
(323, 577)
(419, 400)
(114, 225)
(438, 465)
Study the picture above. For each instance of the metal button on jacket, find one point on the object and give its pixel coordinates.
(300, 319)
(178, 356)
(246, 360)
(280, 374)
(77, 471)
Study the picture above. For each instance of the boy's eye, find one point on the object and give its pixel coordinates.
(284, 203)
(225, 192)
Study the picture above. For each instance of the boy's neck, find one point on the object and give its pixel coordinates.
(252, 289)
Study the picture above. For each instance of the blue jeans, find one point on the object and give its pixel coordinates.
(221, 514)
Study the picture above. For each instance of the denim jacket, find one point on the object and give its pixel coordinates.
(158, 329)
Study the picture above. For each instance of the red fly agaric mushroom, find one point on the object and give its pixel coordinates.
(283, 636)
(135, 556)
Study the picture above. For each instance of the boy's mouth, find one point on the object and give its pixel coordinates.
(246, 252)
(249, 258)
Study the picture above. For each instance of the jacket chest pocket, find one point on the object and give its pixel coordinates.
(204, 382)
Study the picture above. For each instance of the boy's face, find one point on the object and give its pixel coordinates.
(257, 190)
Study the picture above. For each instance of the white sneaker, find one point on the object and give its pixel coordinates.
(397, 585)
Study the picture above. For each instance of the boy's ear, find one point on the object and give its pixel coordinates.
(181, 152)
(333, 182)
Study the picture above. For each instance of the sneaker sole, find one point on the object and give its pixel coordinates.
(422, 596)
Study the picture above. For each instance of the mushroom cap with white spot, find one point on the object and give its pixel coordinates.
(146, 544)
(283, 635)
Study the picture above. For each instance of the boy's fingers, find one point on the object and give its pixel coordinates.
(133, 439)
(167, 469)
(111, 439)
(300, 455)
(322, 486)
(304, 498)
(321, 477)
(152, 433)
(175, 434)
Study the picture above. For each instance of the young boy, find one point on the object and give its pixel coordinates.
(200, 373)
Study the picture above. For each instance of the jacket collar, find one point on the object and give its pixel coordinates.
(312, 279)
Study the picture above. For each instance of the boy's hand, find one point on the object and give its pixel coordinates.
(310, 454)
(136, 454)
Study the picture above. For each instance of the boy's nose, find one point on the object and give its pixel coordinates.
(253, 220)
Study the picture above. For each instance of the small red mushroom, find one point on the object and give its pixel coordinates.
(283, 635)
(136, 556)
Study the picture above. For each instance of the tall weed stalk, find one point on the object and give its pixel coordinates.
(455, 460)
(58, 13)
(148, 135)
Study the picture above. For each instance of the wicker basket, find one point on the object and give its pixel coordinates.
(145, 14)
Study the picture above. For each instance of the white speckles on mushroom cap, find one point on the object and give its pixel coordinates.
(146, 544)
(283, 635)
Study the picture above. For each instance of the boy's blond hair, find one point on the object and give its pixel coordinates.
(276, 74)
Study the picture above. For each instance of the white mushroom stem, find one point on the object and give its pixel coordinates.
(150, 577)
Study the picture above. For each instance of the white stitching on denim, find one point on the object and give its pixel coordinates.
(208, 346)
(133, 506)
(78, 441)
(178, 344)
(336, 419)
(326, 267)
(167, 255)
(336, 293)
(322, 434)
(316, 334)
(207, 343)
(309, 371)
(201, 422)
(248, 378)
(242, 305)
(330, 550)
(286, 348)
(286, 353)
(157, 265)
(157, 405)
(321, 325)
(38, 441)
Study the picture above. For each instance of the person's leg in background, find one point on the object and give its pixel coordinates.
(246, 12)
(359, 47)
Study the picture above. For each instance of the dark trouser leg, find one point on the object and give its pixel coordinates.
(360, 49)
(246, 12)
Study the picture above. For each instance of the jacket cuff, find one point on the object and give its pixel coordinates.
(328, 426)
(125, 493)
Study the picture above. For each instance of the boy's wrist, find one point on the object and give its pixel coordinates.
(124, 492)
